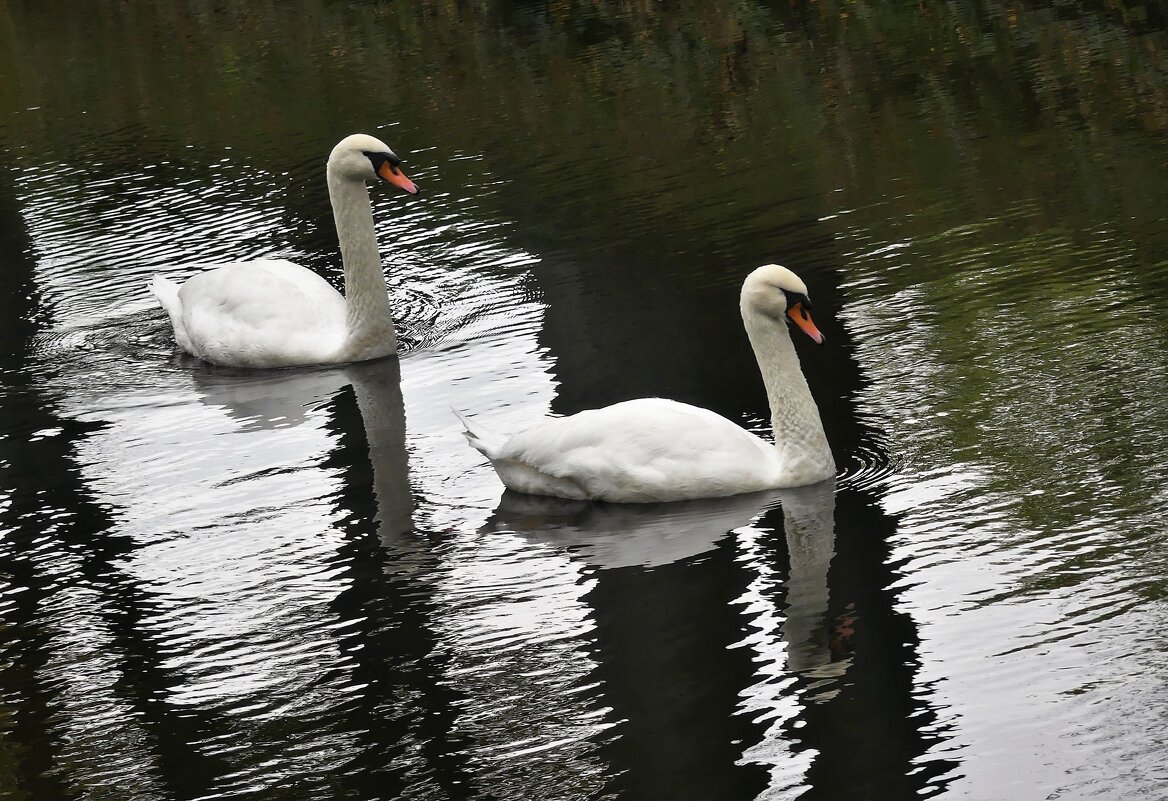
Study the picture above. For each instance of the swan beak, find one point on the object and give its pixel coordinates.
(800, 317)
(396, 177)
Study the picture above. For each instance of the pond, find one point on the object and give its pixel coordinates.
(303, 584)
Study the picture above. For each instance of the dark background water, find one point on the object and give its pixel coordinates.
(303, 584)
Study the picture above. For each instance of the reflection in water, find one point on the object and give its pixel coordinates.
(215, 587)
(665, 618)
(612, 535)
(838, 661)
(400, 712)
(77, 620)
(377, 387)
(668, 671)
(282, 399)
(393, 719)
(809, 526)
(674, 627)
(266, 400)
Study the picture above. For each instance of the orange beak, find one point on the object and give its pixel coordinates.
(396, 177)
(800, 317)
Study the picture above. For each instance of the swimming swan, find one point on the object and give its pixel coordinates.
(651, 449)
(273, 313)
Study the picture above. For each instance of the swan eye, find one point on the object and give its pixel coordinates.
(797, 299)
(378, 159)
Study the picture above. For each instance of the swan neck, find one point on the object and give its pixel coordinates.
(370, 327)
(377, 386)
(795, 421)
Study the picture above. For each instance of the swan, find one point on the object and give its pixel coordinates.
(651, 449)
(273, 313)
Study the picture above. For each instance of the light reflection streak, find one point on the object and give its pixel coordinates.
(225, 491)
(1010, 540)
(795, 665)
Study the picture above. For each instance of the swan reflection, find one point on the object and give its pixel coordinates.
(279, 400)
(267, 400)
(809, 526)
(377, 386)
(612, 535)
(609, 536)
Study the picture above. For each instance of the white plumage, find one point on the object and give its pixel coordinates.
(653, 449)
(273, 313)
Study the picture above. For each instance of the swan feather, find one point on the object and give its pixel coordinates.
(652, 449)
(643, 450)
(274, 313)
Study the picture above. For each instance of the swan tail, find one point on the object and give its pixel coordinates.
(483, 440)
(167, 293)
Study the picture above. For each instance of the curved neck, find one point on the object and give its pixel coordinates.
(370, 327)
(377, 386)
(798, 430)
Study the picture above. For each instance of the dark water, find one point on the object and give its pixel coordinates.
(303, 584)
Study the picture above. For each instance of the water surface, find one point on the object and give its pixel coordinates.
(303, 584)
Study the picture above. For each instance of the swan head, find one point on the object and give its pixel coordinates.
(776, 292)
(361, 157)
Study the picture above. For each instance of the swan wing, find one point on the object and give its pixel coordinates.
(308, 282)
(262, 314)
(638, 451)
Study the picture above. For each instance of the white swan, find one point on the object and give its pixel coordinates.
(273, 313)
(651, 449)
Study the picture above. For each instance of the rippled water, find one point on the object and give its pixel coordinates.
(303, 584)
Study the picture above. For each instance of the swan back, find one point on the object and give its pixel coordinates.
(648, 449)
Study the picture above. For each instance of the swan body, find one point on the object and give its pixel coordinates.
(652, 449)
(273, 313)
